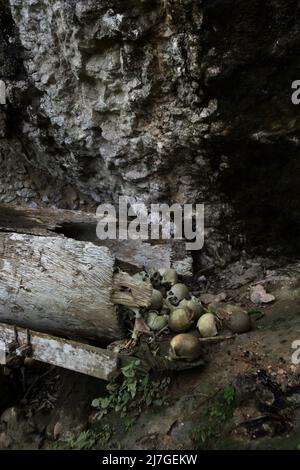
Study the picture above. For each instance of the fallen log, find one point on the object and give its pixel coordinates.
(64, 287)
(89, 360)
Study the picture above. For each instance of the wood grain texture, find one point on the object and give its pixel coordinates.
(100, 363)
(130, 254)
(131, 292)
(59, 286)
(43, 221)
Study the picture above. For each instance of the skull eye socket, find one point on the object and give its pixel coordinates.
(156, 277)
(173, 299)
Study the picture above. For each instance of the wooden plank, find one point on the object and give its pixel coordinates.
(130, 254)
(89, 360)
(134, 255)
(44, 221)
(58, 286)
(130, 291)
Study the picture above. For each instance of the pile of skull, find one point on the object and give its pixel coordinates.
(175, 309)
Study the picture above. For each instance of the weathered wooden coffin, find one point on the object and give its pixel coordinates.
(56, 289)
(78, 225)
(64, 287)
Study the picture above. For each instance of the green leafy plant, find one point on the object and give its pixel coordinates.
(229, 394)
(135, 392)
(86, 440)
(218, 412)
(256, 314)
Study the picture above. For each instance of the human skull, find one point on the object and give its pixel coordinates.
(142, 276)
(185, 346)
(177, 293)
(239, 322)
(155, 321)
(181, 320)
(207, 325)
(167, 307)
(169, 277)
(193, 304)
(157, 300)
(156, 279)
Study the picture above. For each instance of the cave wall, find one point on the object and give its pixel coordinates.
(161, 100)
(116, 95)
(255, 48)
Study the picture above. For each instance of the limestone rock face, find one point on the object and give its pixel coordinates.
(117, 103)
(160, 100)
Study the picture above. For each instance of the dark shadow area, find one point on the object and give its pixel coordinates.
(11, 389)
(254, 50)
(262, 182)
(78, 231)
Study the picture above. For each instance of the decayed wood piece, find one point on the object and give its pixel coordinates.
(130, 291)
(100, 363)
(217, 339)
(58, 286)
(81, 226)
(139, 255)
(43, 221)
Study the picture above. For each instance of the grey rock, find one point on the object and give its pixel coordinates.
(10, 417)
(258, 295)
(5, 441)
(146, 99)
